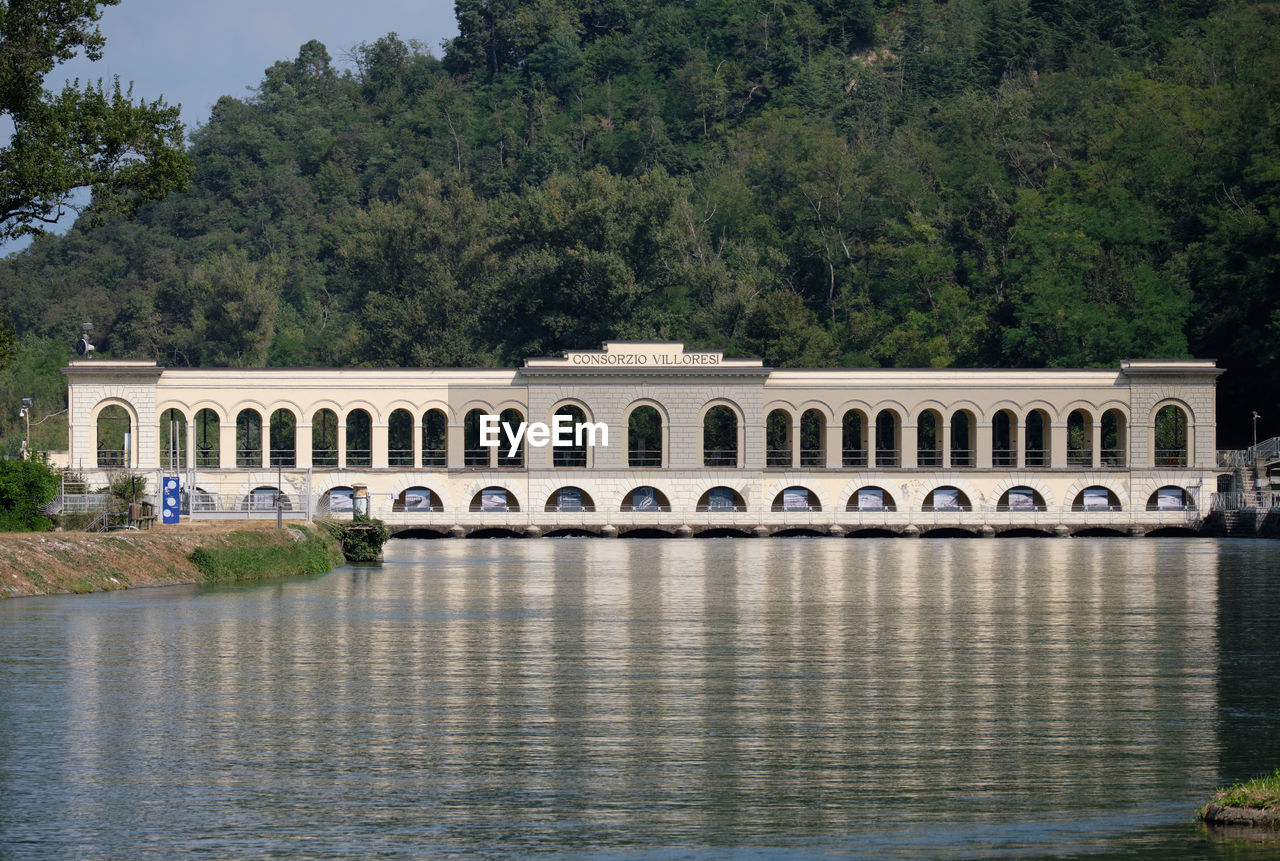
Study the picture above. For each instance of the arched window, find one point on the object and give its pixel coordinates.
(336, 500)
(1021, 498)
(645, 499)
(435, 435)
(574, 454)
(1096, 498)
(1170, 498)
(359, 439)
(324, 438)
(173, 439)
(1079, 439)
(813, 431)
(963, 450)
(1114, 443)
(721, 499)
(400, 438)
(720, 437)
(512, 419)
(495, 499)
(115, 436)
(417, 499)
(1171, 436)
(266, 498)
(887, 432)
(570, 499)
(1004, 439)
(777, 439)
(796, 499)
(1037, 439)
(853, 439)
(283, 439)
(208, 442)
(644, 437)
(929, 439)
(871, 498)
(474, 454)
(946, 498)
(249, 439)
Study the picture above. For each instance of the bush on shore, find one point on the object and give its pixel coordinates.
(26, 486)
(246, 557)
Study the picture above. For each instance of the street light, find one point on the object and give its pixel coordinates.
(1255, 428)
(25, 414)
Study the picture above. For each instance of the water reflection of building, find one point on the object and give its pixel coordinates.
(695, 439)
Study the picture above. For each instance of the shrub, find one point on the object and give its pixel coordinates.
(26, 486)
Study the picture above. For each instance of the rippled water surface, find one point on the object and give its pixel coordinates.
(654, 698)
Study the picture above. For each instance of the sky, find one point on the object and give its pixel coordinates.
(192, 53)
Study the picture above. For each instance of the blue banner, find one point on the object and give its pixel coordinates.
(170, 499)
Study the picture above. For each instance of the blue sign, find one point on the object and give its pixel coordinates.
(170, 499)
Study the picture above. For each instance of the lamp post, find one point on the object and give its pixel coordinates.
(1255, 428)
(25, 415)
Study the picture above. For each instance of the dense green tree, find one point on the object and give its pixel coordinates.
(95, 136)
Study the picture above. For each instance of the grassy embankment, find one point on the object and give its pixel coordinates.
(52, 562)
(1255, 802)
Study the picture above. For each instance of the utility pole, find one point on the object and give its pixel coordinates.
(1255, 428)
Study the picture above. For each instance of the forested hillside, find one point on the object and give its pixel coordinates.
(820, 183)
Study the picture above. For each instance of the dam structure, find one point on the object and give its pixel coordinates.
(668, 441)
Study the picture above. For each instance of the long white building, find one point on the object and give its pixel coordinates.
(696, 443)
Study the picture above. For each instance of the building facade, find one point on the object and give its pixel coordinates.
(695, 441)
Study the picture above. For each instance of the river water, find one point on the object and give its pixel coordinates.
(647, 698)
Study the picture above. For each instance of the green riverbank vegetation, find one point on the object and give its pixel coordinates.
(1253, 802)
(48, 563)
(244, 556)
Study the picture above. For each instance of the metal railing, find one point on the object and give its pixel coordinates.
(400, 457)
(1112, 457)
(1036, 457)
(359, 457)
(854, 457)
(1171, 457)
(1004, 457)
(927, 457)
(434, 457)
(721, 457)
(961, 457)
(323, 457)
(644, 459)
(1076, 457)
(887, 457)
(777, 457)
(812, 457)
(570, 457)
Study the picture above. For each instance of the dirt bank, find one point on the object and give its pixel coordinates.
(47, 563)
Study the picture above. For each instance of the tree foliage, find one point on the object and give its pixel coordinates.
(92, 136)
(896, 183)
